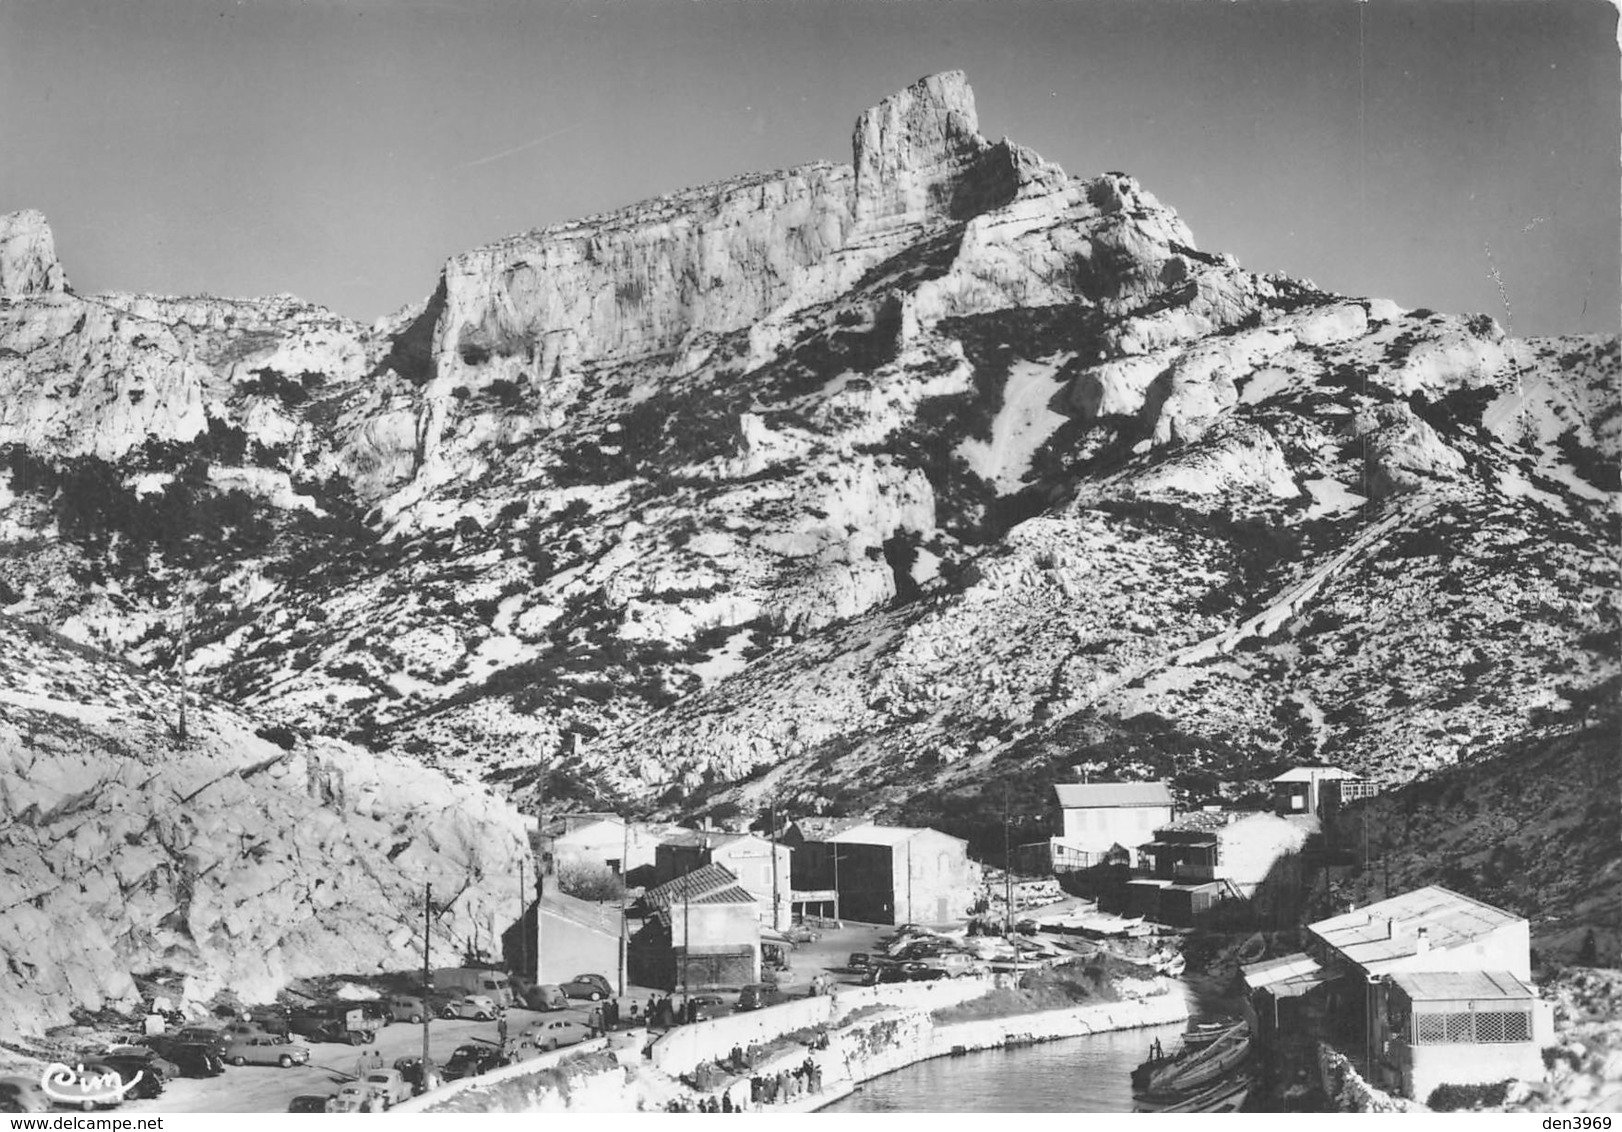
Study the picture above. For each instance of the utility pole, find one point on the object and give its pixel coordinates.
(910, 920)
(777, 902)
(1007, 871)
(523, 928)
(540, 869)
(625, 872)
(427, 973)
(686, 910)
(836, 880)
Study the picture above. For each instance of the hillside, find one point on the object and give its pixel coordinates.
(862, 485)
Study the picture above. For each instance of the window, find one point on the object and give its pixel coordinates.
(1473, 1027)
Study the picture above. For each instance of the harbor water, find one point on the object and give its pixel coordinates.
(1090, 1074)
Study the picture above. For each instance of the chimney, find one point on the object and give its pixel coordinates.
(1393, 927)
(1422, 941)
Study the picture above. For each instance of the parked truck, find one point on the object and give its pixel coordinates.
(476, 980)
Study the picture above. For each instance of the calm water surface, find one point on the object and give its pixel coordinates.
(1088, 1074)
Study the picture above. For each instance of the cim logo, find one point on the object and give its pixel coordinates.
(77, 1085)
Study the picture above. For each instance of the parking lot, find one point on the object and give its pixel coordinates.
(254, 1088)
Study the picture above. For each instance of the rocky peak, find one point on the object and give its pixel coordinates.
(919, 156)
(28, 256)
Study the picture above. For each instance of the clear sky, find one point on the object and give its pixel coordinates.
(340, 150)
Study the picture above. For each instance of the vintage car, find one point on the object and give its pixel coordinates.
(266, 1049)
(407, 1008)
(87, 1085)
(546, 996)
(757, 995)
(390, 1084)
(143, 1072)
(592, 987)
(479, 1007)
(204, 1035)
(310, 1102)
(328, 1025)
(357, 1096)
(556, 1033)
(471, 1060)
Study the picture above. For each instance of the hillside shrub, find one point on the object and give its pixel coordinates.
(1453, 1098)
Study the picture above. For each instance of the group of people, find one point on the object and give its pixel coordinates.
(369, 1062)
(663, 1012)
(785, 1085)
(705, 1104)
(607, 1016)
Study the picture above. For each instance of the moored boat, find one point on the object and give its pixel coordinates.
(1199, 1068)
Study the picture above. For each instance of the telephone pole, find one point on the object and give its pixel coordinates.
(777, 902)
(427, 974)
(625, 873)
(523, 928)
(686, 909)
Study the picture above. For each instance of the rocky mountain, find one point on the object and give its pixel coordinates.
(861, 485)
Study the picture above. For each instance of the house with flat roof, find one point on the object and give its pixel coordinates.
(1424, 989)
(575, 937)
(1308, 790)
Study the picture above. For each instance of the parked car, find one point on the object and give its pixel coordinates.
(472, 1060)
(556, 1033)
(411, 1069)
(390, 1084)
(147, 1082)
(193, 1059)
(924, 972)
(707, 1006)
(546, 996)
(270, 1019)
(957, 964)
(757, 995)
(331, 1028)
(888, 973)
(357, 1096)
(204, 1035)
(376, 1012)
(88, 1087)
(310, 1102)
(1026, 927)
(407, 1008)
(158, 1064)
(476, 1006)
(22, 1094)
(266, 1049)
(592, 987)
(858, 961)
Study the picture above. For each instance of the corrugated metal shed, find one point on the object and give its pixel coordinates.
(1105, 795)
(1449, 986)
(1287, 975)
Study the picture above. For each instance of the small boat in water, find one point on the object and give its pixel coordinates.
(1195, 1038)
(1194, 1070)
(1224, 1096)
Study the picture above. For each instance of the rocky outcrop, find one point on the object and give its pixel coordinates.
(234, 859)
(28, 264)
